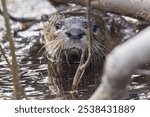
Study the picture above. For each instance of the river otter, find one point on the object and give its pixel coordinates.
(65, 36)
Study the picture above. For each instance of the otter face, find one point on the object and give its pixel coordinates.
(67, 36)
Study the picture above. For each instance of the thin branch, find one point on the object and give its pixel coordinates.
(81, 68)
(84, 66)
(18, 90)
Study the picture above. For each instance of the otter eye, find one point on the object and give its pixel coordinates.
(94, 28)
(58, 26)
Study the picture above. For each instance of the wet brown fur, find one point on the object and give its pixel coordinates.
(61, 71)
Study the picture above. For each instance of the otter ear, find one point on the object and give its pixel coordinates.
(45, 18)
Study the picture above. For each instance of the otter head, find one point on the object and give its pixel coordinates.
(65, 36)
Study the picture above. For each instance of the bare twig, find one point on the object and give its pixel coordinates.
(18, 90)
(121, 63)
(81, 68)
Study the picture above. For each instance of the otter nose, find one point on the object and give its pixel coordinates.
(75, 33)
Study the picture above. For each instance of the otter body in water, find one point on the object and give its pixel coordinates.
(65, 36)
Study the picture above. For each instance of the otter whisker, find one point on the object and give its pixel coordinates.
(97, 50)
(100, 44)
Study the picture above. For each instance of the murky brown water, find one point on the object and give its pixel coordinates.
(32, 62)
